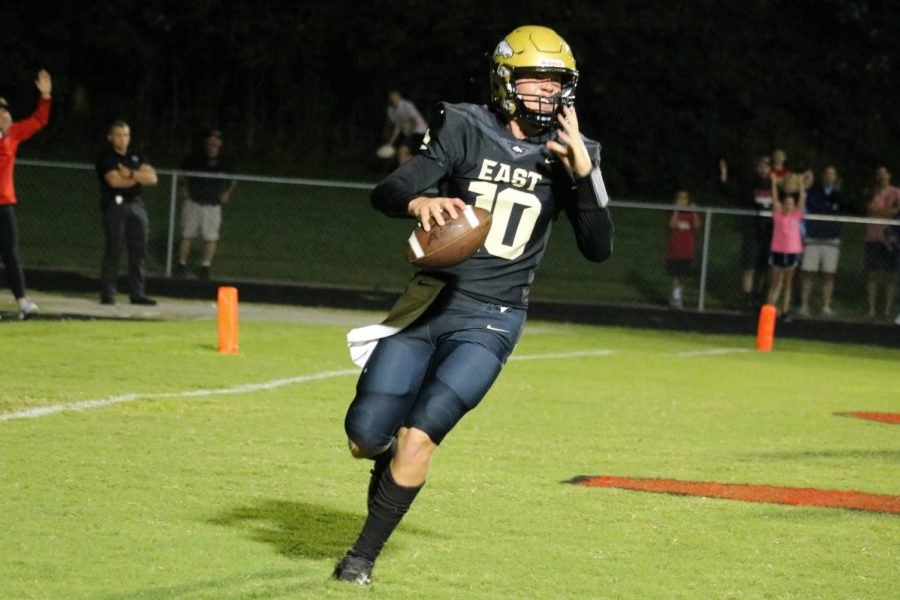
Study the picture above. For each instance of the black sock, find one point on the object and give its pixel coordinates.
(381, 462)
(390, 503)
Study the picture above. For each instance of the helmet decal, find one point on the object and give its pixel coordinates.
(503, 49)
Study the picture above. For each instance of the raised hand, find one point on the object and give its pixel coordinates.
(44, 83)
(573, 154)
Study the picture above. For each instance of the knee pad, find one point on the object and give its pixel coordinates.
(372, 420)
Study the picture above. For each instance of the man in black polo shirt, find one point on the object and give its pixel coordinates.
(122, 175)
(201, 214)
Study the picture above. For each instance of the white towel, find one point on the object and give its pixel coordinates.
(418, 296)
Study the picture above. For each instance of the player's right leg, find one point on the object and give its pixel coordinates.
(386, 390)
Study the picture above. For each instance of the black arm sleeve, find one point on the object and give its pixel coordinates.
(590, 218)
(409, 180)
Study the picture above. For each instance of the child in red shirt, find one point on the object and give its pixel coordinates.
(680, 247)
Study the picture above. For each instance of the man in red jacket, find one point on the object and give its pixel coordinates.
(11, 134)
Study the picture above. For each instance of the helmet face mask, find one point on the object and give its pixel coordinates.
(533, 52)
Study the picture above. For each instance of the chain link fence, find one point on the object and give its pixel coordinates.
(325, 233)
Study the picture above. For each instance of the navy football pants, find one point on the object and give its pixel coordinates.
(433, 372)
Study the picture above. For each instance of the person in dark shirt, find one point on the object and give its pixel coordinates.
(203, 197)
(123, 173)
(524, 159)
(822, 246)
(756, 233)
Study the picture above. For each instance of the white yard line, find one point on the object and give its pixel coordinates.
(42, 411)
(563, 355)
(711, 352)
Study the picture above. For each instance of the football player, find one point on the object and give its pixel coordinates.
(524, 159)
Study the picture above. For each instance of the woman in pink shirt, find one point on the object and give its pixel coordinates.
(787, 240)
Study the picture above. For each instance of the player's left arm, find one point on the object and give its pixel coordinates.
(589, 212)
(590, 217)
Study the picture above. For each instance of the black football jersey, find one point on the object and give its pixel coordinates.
(469, 153)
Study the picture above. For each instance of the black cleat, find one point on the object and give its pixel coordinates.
(354, 569)
(144, 301)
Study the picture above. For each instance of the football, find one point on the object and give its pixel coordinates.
(450, 244)
(385, 152)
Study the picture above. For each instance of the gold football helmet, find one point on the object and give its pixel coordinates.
(532, 50)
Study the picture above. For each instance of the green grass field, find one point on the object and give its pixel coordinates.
(181, 493)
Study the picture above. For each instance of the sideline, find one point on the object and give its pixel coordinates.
(43, 411)
(710, 352)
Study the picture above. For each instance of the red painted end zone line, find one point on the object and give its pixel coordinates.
(893, 418)
(750, 493)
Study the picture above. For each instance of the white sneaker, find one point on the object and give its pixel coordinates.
(897, 320)
(804, 311)
(27, 309)
(827, 312)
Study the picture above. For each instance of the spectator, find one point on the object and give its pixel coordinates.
(787, 242)
(884, 201)
(894, 236)
(203, 197)
(780, 171)
(123, 175)
(408, 126)
(822, 245)
(11, 135)
(757, 236)
(680, 248)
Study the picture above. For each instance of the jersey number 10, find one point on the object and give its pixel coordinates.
(515, 214)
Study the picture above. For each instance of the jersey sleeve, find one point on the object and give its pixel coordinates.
(587, 210)
(106, 162)
(443, 150)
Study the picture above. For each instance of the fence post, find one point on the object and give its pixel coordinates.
(173, 190)
(704, 261)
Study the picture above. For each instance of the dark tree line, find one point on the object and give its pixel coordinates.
(299, 87)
